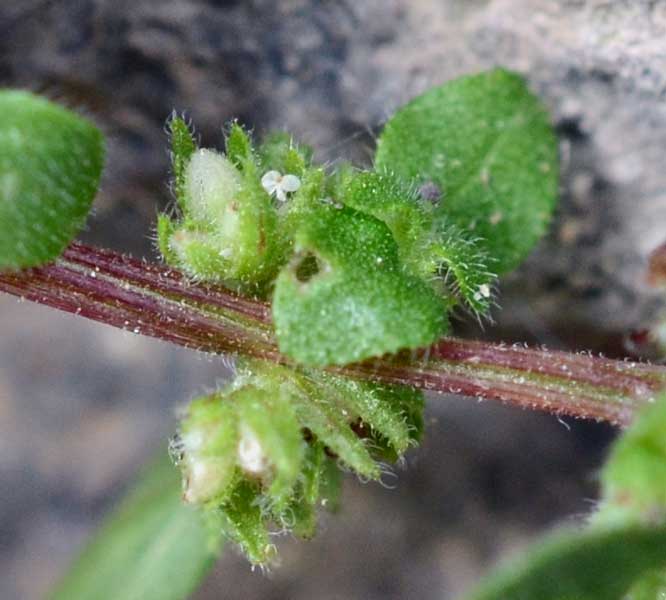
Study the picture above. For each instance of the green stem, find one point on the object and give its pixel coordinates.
(159, 302)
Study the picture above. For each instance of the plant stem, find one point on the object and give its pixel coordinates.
(159, 302)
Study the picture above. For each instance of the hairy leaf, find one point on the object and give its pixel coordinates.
(486, 143)
(345, 297)
(50, 164)
(152, 548)
(456, 264)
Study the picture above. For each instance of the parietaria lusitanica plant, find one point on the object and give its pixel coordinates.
(335, 290)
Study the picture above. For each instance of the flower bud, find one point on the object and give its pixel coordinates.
(211, 184)
(208, 439)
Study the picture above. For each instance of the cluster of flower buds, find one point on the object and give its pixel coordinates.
(263, 453)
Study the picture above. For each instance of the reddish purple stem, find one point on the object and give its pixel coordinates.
(160, 302)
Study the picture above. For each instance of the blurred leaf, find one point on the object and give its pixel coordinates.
(50, 165)
(152, 548)
(486, 142)
(634, 478)
(589, 565)
(650, 587)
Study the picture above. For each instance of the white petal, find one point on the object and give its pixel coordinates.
(251, 457)
(280, 194)
(290, 183)
(271, 180)
(271, 188)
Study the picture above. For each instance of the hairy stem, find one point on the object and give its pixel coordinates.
(159, 302)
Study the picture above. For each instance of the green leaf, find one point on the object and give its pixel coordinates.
(386, 198)
(345, 297)
(152, 548)
(486, 142)
(591, 565)
(50, 164)
(454, 263)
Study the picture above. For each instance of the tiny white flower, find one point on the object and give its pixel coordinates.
(279, 185)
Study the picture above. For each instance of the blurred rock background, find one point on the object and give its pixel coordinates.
(82, 405)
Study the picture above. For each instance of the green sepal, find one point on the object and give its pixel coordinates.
(164, 230)
(261, 247)
(233, 238)
(331, 426)
(319, 486)
(487, 143)
(199, 254)
(463, 268)
(51, 161)
(651, 586)
(360, 303)
(381, 408)
(279, 152)
(238, 145)
(243, 521)
(183, 145)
